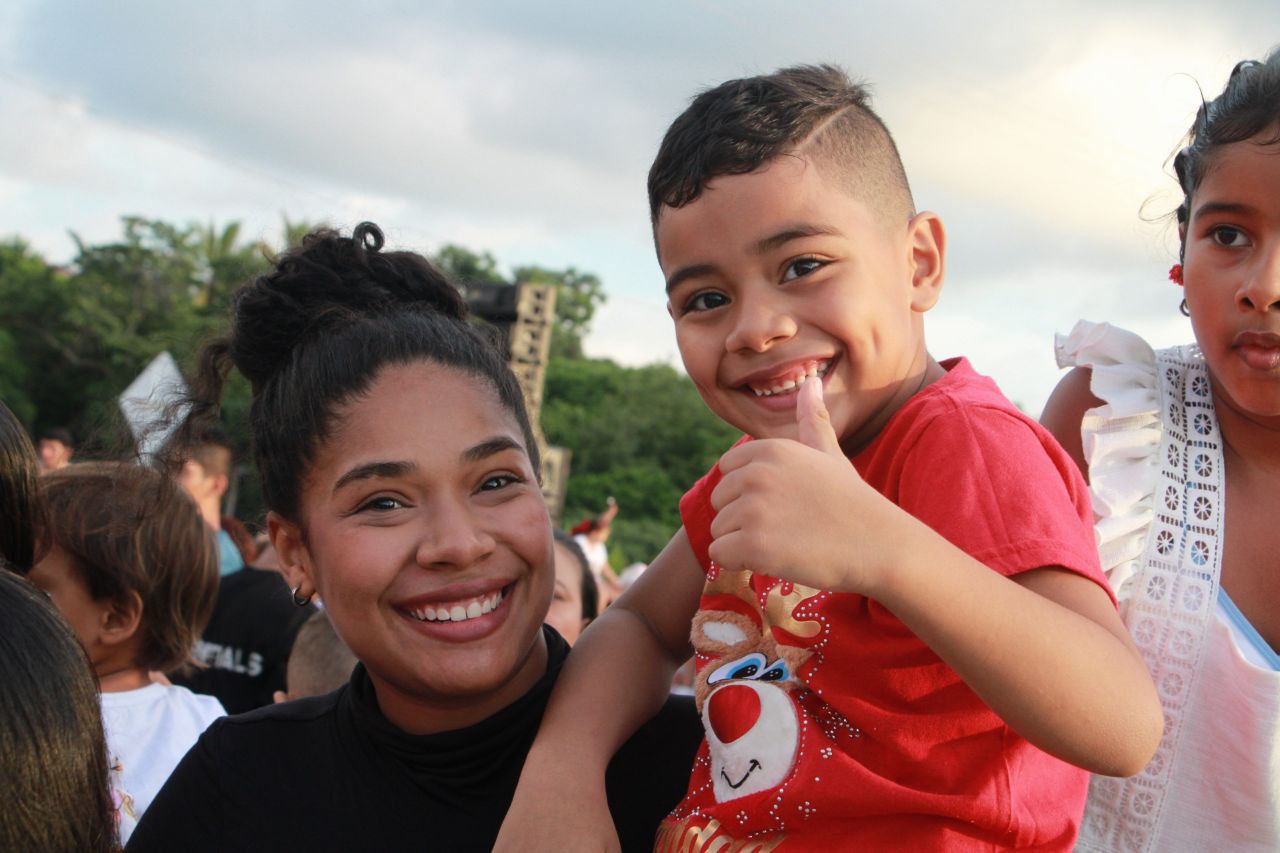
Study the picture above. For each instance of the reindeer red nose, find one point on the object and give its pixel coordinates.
(733, 711)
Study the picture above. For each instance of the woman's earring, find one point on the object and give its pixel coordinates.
(300, 600)
(1175, 274)
(1186, 312)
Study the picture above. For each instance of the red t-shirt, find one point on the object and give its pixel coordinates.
(829, 725)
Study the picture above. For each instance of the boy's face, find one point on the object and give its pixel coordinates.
(780, 275)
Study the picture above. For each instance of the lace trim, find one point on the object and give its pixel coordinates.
(1171, 586)
(1120, 440)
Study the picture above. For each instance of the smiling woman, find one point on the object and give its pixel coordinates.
(400, 471)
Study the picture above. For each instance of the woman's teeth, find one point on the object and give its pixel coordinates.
(792, 382)
(458, 611)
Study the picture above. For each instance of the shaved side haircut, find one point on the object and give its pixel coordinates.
(810, 111)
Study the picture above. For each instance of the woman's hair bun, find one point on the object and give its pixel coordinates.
(329, 279)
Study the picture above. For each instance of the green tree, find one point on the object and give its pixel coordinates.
(641, 435)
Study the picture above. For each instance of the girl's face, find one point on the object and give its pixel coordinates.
(565, 614)
(425, 534)
(1231, 271)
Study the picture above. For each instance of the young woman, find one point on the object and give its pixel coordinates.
(401, 475)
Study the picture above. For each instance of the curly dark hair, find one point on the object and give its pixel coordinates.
(1246, 107)
(314, 332)
(811, 110)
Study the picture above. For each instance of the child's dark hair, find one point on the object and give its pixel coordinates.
(314, 332)
(1247, 106)
(53, 756)
(814, 110)
(21, 527)
(590, 594)
(132, 530)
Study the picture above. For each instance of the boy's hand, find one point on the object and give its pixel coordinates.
(798, 510)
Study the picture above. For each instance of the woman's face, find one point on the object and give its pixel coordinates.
(425, 534)
(565, 614)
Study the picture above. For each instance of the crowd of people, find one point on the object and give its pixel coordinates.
(917, 618)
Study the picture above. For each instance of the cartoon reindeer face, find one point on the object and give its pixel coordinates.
(744, 692)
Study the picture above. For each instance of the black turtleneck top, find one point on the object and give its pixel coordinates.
(332, 773)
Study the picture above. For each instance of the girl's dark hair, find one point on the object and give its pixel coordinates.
(53, 756)
(590, 593)
(131, 529)
(1248, 105)
(21, 525)
(312, 334)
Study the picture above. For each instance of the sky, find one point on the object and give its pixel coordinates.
(1041, 133)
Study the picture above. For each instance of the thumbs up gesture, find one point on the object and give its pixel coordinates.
(798, 510)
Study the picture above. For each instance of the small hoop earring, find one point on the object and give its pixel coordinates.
(1183, 308)
(300, 600)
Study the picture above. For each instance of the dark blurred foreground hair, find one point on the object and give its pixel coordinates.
(53, 755)
(21, 524)
(314, 332)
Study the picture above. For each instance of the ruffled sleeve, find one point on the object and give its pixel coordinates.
(1121, 440)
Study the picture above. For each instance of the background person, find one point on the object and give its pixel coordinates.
(319, 663)
(56, 447)
(132, 568)
(575, 600)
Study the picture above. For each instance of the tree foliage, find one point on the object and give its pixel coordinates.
(641, 435)
(71, 339)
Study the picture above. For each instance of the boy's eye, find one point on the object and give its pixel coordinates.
(1229, 236)
(801, 267)
(705, 301)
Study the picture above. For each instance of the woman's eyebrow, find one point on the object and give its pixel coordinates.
(490, 446)
(370, 470)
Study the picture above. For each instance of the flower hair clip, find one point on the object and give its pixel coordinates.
(1175, 274)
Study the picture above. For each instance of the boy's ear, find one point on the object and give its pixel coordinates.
(295, 559)
(927, 243)
(120, 619)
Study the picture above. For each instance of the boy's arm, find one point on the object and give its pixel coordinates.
(616, 678)
(1045, 649)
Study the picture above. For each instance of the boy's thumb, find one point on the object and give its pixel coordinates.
(813, 421)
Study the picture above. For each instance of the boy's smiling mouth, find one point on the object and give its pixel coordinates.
(789, 381)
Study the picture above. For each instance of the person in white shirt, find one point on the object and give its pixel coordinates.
(134, 570)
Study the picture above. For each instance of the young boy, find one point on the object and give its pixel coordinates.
(899, 653)
(132, 567)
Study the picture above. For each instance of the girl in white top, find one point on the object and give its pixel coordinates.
(1182, 450)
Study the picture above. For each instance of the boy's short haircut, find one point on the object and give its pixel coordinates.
(130, 529)
(810, 110)
(212, 449)
(320, 662)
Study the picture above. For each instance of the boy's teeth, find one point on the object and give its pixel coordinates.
(460, 612)
(791, 383)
